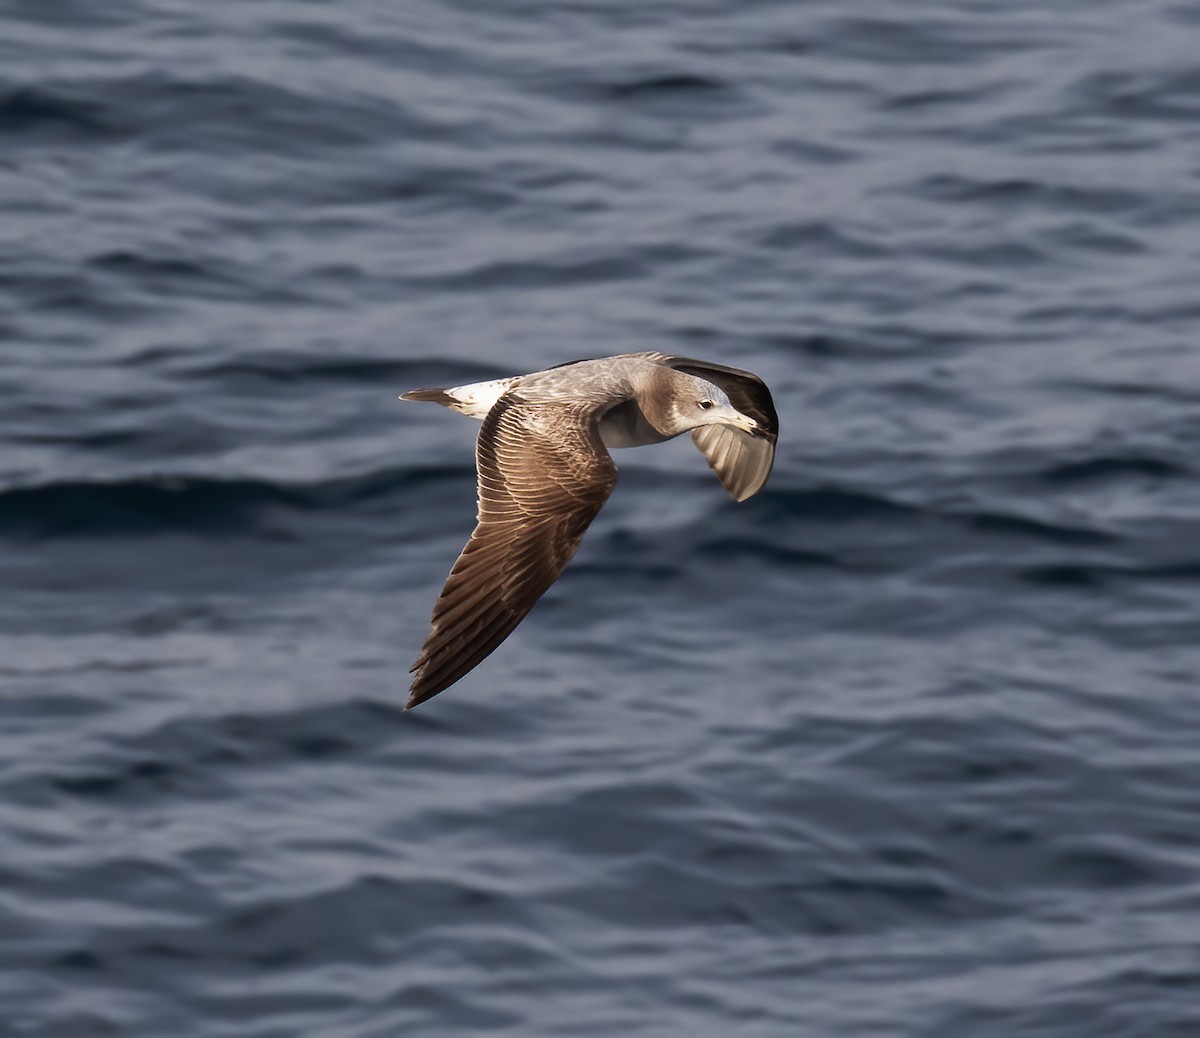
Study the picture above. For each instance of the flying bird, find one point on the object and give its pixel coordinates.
(544, 472)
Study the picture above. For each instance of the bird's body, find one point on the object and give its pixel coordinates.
(545, 472)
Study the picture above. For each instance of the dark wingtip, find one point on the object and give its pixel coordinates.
(414, 695)
(417, 695)
(434, 396)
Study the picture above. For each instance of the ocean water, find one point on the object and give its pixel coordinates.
(907, 745)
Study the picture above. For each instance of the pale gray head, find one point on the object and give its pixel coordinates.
(694, 402)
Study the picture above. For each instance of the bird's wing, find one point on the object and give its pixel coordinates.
(741, 461)
(543, 477)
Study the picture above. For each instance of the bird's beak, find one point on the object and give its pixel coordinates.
(746, 424)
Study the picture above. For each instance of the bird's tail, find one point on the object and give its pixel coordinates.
(434, 396)
(475, 400)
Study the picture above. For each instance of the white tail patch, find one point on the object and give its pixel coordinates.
(478, 398)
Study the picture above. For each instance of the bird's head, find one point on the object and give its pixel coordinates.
(698, 402)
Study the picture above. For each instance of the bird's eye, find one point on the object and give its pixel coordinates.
(705, 405)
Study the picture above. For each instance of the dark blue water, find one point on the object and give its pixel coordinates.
(906, 745)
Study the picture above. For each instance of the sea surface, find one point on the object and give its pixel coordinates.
(906, 745)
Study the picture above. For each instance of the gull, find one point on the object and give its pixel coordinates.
(544, 472)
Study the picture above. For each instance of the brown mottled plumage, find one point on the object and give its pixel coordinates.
(544, 473)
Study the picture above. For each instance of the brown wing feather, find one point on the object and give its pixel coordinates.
(543, 477)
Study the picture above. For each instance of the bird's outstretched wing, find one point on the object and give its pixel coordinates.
(741, 461)
(543, 477)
